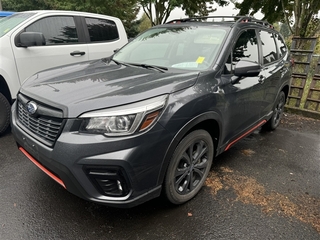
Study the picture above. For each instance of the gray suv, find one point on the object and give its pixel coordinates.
(150, 119)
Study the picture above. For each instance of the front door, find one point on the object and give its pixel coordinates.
(62, 46)
(242, 97)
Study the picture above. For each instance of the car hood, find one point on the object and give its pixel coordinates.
(100, 84)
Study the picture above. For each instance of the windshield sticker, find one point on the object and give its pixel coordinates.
(200, 60)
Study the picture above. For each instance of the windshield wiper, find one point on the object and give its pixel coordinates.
(119, 63)
(143, 65)
(147, 66)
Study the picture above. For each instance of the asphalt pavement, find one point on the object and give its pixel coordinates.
(265, 187)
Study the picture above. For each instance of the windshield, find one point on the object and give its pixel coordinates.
(10, 22)
(190, 48)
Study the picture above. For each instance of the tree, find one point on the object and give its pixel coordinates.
(301, 16)
(24, 5)
(145, 23)
(158, 11)
(126, 10)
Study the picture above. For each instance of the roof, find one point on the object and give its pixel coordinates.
(231, 20)
(79, 13)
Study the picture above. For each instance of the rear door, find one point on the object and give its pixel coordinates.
(272, 65)
(64, 45)
(104, 36)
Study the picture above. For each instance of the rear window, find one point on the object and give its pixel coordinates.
(282, 48)
(269, 50)
(101, 30)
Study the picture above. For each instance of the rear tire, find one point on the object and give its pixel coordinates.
(189, 167)
(278, 110)
(4, 113)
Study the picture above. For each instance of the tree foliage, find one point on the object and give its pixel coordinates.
(145, 23)
(301, 16)
(126, 10)
(158, 11)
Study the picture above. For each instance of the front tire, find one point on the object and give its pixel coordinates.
(4, 113)
(189, 167)
(278, 110)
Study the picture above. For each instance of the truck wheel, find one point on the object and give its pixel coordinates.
(189, 167)
(4, 113)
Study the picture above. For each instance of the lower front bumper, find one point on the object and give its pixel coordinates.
(46, 171)
(73, 155)
(121, 204)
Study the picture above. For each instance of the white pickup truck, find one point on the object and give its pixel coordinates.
(33, 41)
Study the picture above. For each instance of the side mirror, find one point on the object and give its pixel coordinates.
(28, 39)
(247, 69)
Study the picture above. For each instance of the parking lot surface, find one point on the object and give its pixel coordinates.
(265, 187)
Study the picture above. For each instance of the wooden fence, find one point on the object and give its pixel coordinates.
(304, 95)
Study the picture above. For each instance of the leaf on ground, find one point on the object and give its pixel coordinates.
(248, 152)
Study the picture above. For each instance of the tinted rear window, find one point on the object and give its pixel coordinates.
(102, 30)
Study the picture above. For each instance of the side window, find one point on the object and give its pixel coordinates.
(246, 48)
(282, 48)
(102, 30)
(56, 30)
(269, 50)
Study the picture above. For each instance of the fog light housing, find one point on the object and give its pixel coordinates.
(110, 181)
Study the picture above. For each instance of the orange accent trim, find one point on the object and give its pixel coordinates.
(245, 134)
(46, 171)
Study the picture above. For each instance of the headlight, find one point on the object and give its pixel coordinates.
(124, 120)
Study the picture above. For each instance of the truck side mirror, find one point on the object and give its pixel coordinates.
(28, 39)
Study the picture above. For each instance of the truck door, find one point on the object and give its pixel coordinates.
(62, 46)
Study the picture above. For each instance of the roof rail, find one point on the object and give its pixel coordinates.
(235, 19)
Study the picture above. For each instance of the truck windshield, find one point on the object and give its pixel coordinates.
(10, 22)
(182, 47)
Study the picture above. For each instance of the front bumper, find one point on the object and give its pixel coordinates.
(75, 159)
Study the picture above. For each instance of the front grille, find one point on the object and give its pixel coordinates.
(45, 128)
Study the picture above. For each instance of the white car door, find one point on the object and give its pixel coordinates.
(62, 46)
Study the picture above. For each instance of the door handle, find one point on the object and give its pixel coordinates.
(261, 79)
(77, 53)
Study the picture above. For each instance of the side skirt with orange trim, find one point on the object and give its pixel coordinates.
(245, 134)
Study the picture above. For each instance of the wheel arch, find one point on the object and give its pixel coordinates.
(4, 89)
(285, 89)
(211, 122)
